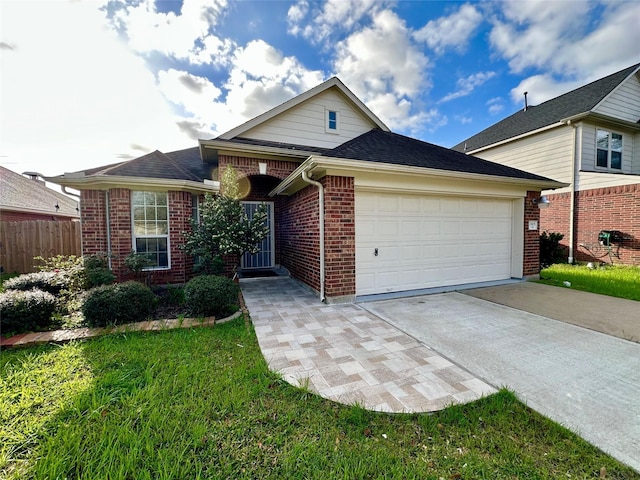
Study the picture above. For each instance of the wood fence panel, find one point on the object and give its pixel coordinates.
(21, 241)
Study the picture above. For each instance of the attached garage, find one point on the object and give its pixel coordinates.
(415, 241)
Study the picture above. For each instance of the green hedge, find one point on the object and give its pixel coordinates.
(211, 295)
(119, 303)
(23, 311)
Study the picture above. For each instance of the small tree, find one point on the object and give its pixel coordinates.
(224, 227)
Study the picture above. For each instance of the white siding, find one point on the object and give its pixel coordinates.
(548, 153)
(589, 148)
(305, 123)
(590, 180)
(623, 102)
(635, 163)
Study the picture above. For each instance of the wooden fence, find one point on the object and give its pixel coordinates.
(21, 241)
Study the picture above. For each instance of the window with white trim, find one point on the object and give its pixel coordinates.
(608, 150)
(150, 215)
(331, 121)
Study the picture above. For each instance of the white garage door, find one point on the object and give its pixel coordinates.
(407, 242)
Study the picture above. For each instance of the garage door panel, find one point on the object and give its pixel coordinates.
(430, 241)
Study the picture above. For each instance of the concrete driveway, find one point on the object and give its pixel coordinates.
(586, 380)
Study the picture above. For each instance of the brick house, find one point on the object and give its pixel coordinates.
(354, 208)
(588, 138)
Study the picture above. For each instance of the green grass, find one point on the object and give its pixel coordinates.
(616, 281)
(201, 403)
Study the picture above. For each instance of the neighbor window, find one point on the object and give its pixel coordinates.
(331, 125)
(151, 226)
(608, 150)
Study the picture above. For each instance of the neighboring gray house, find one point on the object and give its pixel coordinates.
(588, 138)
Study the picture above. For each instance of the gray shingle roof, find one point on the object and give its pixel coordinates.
(389, 147)
(265, 143)
(580, 100)
(179, 165)
(19, 193)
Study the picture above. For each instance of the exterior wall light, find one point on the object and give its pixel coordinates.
(542, 202)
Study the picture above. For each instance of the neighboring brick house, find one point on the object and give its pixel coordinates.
(354, 209)
(25, 198)
(588, 138)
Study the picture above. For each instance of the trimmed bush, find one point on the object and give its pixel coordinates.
(50, 282)
(22, 311)
(96, 271)
(119, 303)
(550, 249)
(211, 295)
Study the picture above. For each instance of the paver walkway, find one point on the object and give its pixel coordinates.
(344, 353)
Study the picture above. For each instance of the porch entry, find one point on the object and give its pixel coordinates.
(265, 258)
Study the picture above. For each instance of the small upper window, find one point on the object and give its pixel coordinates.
(331, 125)
(608, 150)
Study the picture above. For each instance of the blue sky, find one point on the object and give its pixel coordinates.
(88, 83)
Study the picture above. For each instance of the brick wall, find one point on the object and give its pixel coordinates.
(94, 232)
(340, 231)
(612, 208)
(248, 166)
(531, 257)
(93, 219)
(299, 236)
(11, 216)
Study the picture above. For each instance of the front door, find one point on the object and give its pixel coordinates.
(265, 258)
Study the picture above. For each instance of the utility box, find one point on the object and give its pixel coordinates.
(608, 237)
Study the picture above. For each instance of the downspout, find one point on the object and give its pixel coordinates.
(306, 178)
(108, 212)
(577, 152)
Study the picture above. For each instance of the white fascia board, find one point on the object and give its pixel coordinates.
(104, 182)
(348, 167)
(234, 148)
(332, 82)
(599, 117)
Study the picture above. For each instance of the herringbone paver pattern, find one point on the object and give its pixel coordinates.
(349, 355)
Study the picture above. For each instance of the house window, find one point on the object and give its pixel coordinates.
(608, 150)
(151, 226)
(331, 124)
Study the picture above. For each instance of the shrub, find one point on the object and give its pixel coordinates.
(118, 303)
(550, 249)
(211, 295)
(96, 271)
(50, 282)
(21, 311)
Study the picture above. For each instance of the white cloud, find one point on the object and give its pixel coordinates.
(569, 43)
(78, 97)
(260, 78)
(453, 31)
(186, 36)
(385, 70)
(335, 16)
(541, 88)
(496, 105)
(468, 84)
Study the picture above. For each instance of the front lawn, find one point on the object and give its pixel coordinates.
(614, 280)
(201, 403)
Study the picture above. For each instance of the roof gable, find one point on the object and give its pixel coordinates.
(333, 91)
(578, 101)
